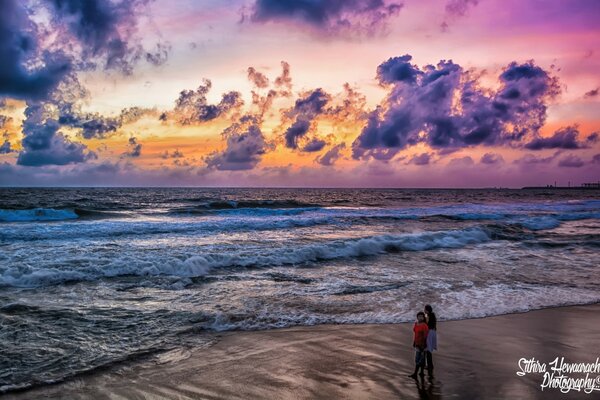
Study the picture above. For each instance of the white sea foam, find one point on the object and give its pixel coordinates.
(197, 265)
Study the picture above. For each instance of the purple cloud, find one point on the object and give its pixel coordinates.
(365, 17)
(134, 148)
(314, 145)
(332, 155)
(491, 159)
(19, 44)
(419, 108)
(591, 93)
(305, 110)
(421, 159)
(571, 161)
(192, 106)
(245, 146)
(44, 145)
(565, 138)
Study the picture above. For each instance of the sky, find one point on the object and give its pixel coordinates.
(304, 93)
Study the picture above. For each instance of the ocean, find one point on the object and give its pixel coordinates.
(90, 277)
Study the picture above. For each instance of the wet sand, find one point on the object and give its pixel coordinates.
(477, 359)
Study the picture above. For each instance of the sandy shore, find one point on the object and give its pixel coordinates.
(478, 359)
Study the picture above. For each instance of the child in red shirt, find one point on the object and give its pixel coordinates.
(420, 331)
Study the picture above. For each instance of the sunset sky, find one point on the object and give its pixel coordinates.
(356, 93)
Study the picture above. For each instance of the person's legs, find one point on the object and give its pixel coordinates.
(422, 364)
(419, 362)
(429, 362)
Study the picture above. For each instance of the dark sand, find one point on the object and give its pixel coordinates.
(477, 359)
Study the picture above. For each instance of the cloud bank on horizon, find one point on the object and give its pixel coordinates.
(369, 93)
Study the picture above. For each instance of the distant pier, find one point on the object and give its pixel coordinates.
(584, 186)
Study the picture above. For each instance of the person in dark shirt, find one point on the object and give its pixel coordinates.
(431, 337)
(420, 330)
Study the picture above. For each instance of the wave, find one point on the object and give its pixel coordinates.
(120, 229)
(273, 204)
(36, 214)
(199, 265)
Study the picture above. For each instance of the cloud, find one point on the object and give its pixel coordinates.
(106, 31)
(245, 146)
(591, 93)
(257, 78)
(571, 161)
(444, 107)
(284, 81)
(18, 47)
(461, 162)
(134, 148)
(421, 159)
(192, 106)
(491, 159)
(596, 159)
(456, 9)
(305, 110)
(74, 35)
(4, 120)
(332, 155)
(530, 159)
(314, 145)
(174, 154)
(5, 147)
(334, 17)
(44, 145)
(565, 138)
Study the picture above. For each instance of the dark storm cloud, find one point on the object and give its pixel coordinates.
(565, 138)
(245, 146)
(43, 144)
(397, 69)
(332, 16)
(421, 107)
(491, 159)
(106, 30)
(332, 155)
(134, 148)
(571, 161)
(78, 35)
(305, 110)
(19, 45)
(192, 106)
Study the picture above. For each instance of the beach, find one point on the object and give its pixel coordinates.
(477, 359)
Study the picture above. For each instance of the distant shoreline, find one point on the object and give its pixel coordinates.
(303, 188)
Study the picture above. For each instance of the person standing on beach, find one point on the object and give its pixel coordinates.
(420, 330)
(431, 337)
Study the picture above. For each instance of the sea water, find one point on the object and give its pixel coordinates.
(93, 277)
